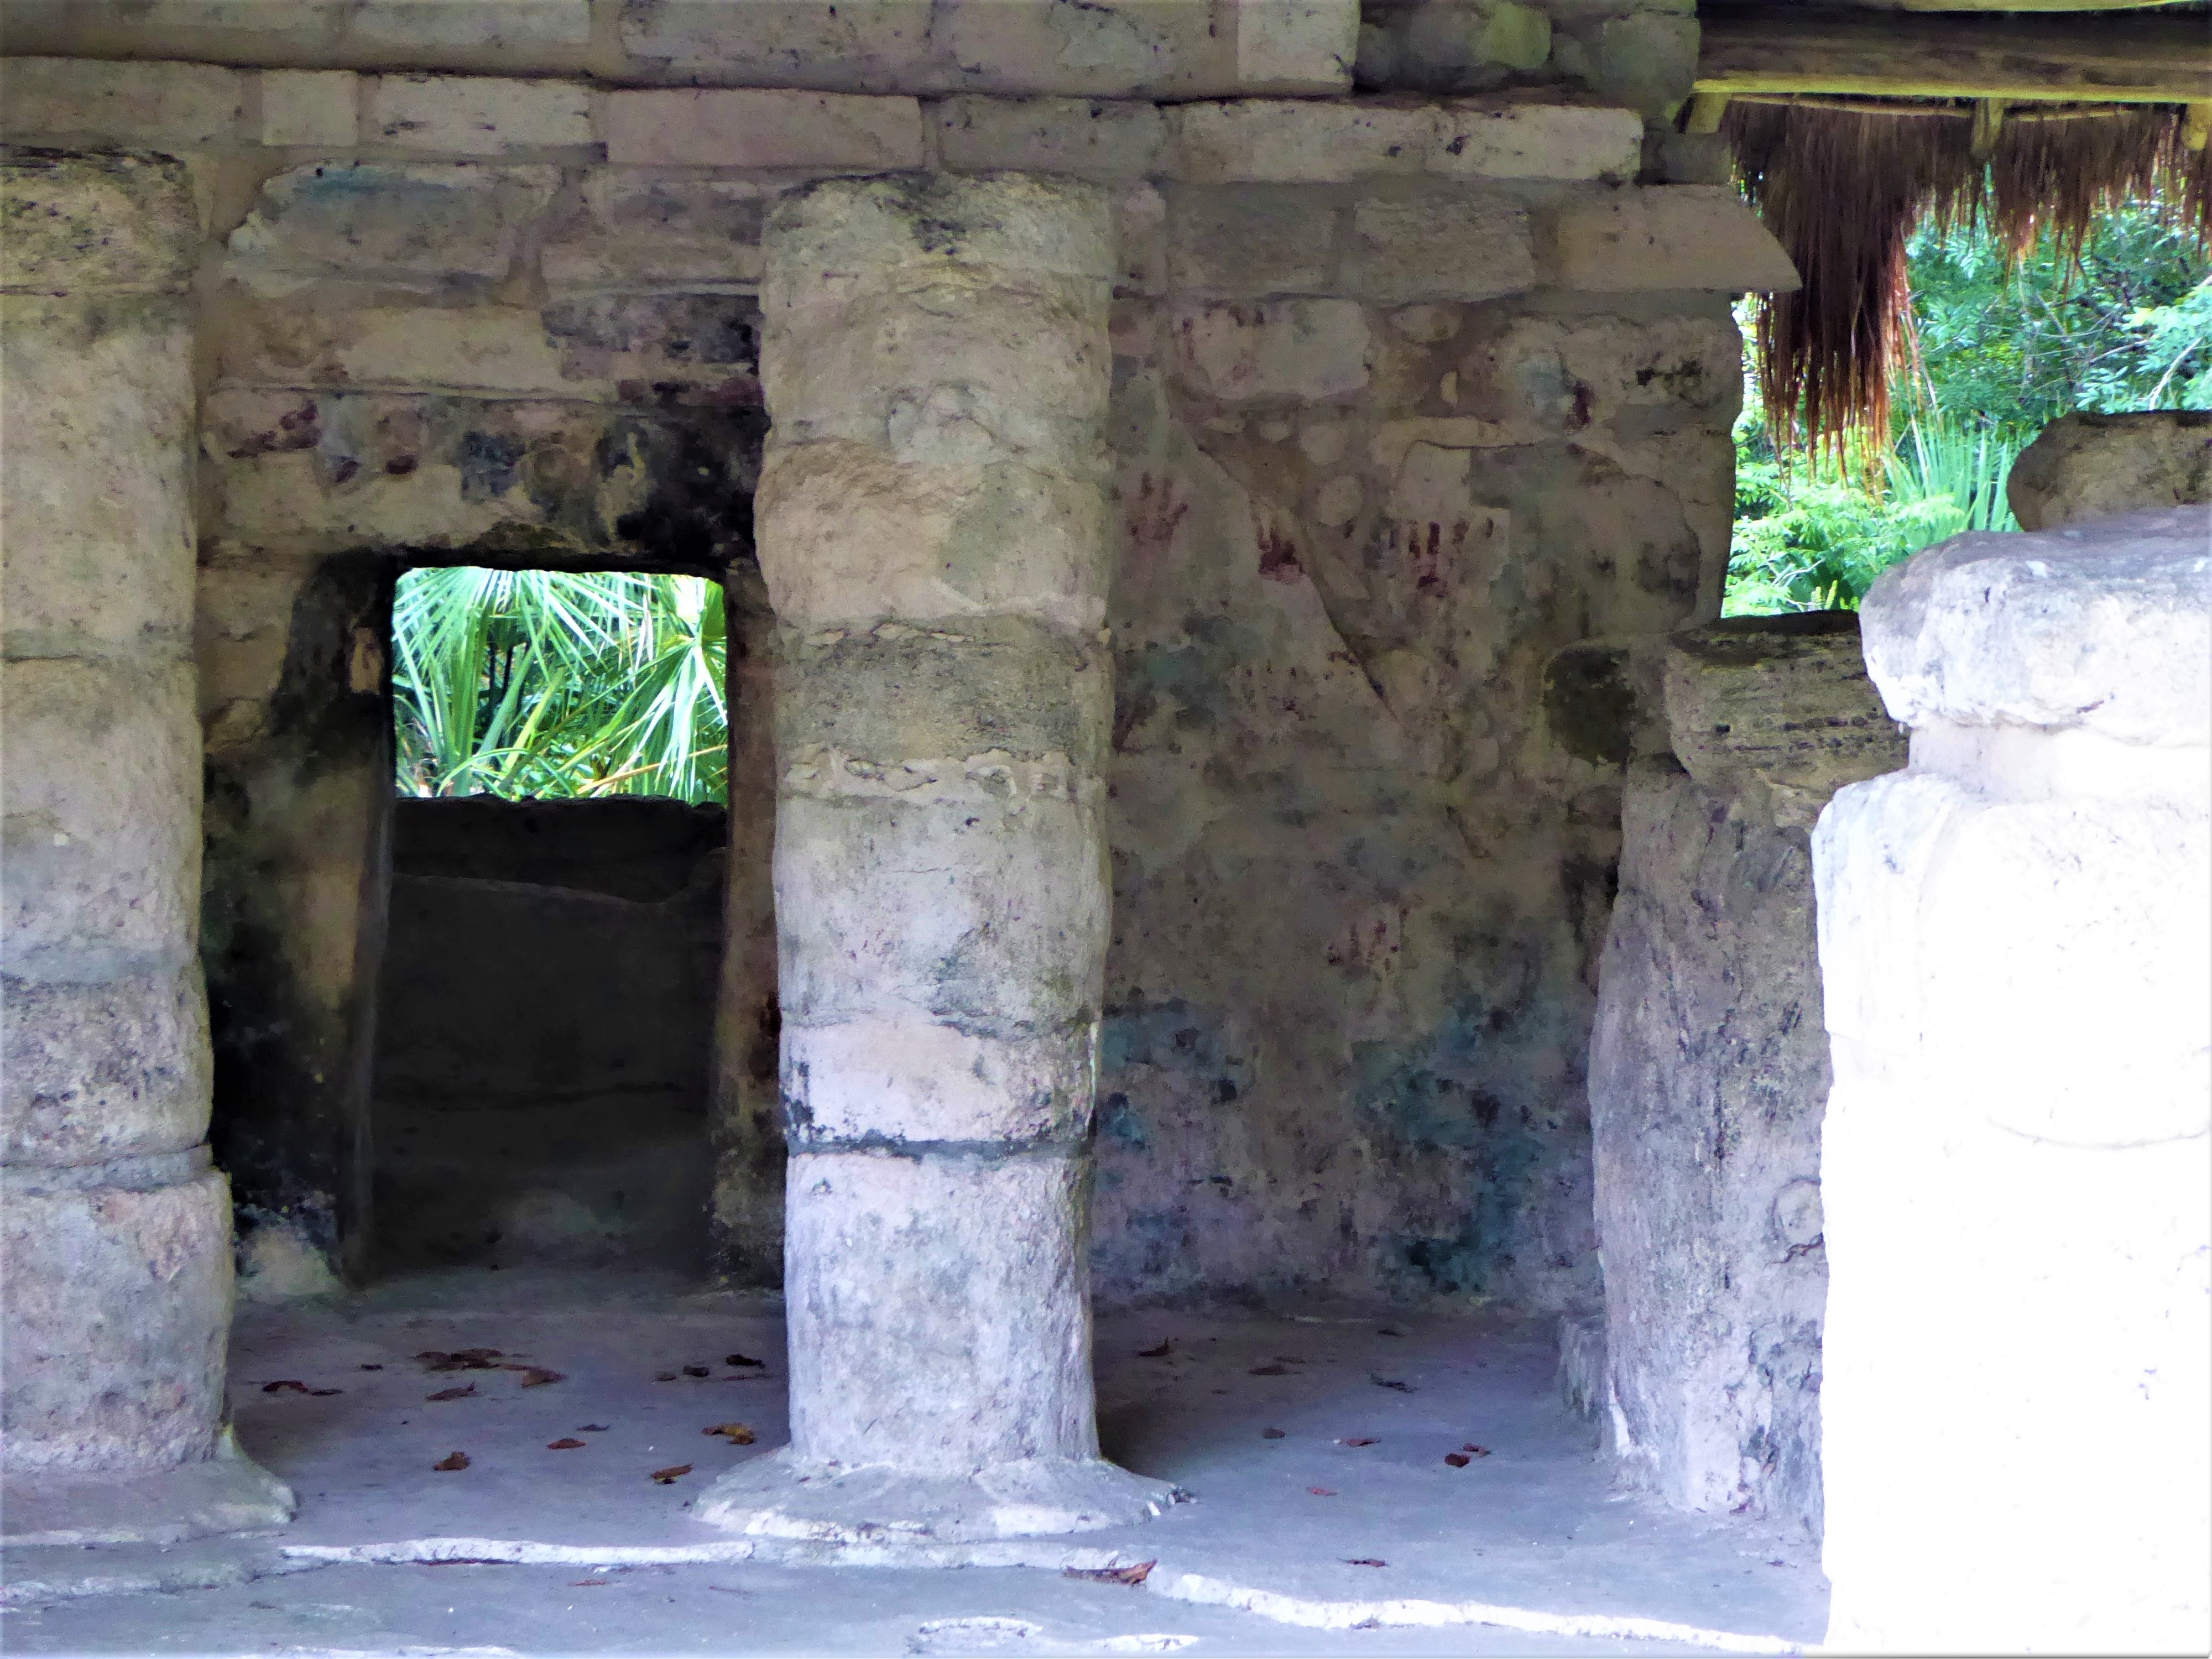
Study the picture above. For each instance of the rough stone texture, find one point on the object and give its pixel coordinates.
(476, 115)
(2091, 467)
(1258, 140)
(544, 1019)
(2013, 945)
(941, 892)
(114, 1233)
(316, 107)
(1639, 53)
(1709, 1070)
(769, 129)
(1088, 137)
(140, 103)
(1672, 236)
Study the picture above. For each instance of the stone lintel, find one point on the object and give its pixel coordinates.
(1667, 238)
(1779, 701)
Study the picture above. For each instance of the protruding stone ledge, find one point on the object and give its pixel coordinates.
(227, 1492)
(2105, 626)
(1782, 702)
(1667, 238)
(1310, 141)
(2092, 466)
(81, 223)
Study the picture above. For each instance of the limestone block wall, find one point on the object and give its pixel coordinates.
(1408, 395)
(1709, 1066)
(2088, 467)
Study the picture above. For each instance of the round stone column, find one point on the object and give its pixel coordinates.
(933, 532)
(2016, 1170)
(115, 1233)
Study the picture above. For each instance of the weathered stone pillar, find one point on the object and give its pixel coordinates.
(1709, 1069)
(933, 530)
(114, 1230)
(2018, 971)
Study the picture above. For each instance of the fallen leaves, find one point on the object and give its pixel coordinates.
(664, 1377)
(324, 1394)
(1322, 1491)
(671, 1475)
(457, 1461)
(592, 1428)
(565, 1442)
(739, 1359)
(461, 1359)
(372, 1368)
(1270, 1434)
(536, 1377)
(1160, 1352)
(460, 1393)
(1358, 1440)
(1135, 1573)
(1457, 1460)
(1270, 1370)
(736, 1433)
(1473, 1450)
(697, 1370)
(1381, 1382)
(1363, 1561)
(287, 1385)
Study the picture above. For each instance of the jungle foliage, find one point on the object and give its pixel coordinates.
(553, 683)
(2001, 349)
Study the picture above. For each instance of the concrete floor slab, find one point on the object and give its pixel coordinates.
(1344, 1530)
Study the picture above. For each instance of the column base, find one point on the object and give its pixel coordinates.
(779, 1497)
(228, 1493)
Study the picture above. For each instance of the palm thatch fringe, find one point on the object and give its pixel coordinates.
(1843, 191)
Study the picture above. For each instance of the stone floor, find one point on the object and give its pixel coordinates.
(1345, 1533)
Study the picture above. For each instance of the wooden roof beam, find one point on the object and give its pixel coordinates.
(2108, 58)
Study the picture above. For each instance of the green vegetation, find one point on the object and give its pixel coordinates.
(2000, 352)
(539, 682)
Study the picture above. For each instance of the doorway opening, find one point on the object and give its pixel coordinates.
(545, 1008)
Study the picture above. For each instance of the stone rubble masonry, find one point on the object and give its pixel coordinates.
(114, 1231)
(2019, 1006)
(2089, 466)
(934, 538)
(1709, 1071)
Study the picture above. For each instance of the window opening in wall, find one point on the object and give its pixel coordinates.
(550, 684)
(544, 1021)
(1998, 347)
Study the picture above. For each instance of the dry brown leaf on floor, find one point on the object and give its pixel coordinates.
(1389, 1382)
(1473, 1450)
(697, 1370)
(589, 1584)
(736, 1433)
(285, 1385)
(1160, 1352)
(1136, 1573)
(321, 1393)
(1457, 1460)
(565, 1442)
(372, 1368)
(458, 1461)
(592, 1428)
(664, 1377)
(1270, 1434)
(461, 1392)
(739, 1359)
(1322, 1491)
(1359, 1440)
(537, 1376)
(1363, 1561)
(1270, 1370)
(671, 1475)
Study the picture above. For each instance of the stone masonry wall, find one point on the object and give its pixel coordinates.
(1410, 394)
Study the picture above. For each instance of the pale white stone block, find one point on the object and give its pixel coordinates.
(641, 229)
(763, 128)
(914, 1079)
(476, 115)
(843, 45)
(2105, 624)
(372, 221)
(1666, 236)
(316, 107)
(1258, 140)
(1292, 350)
(171, 103)
(1102, 48)
(2019, 993)
(2087, 466)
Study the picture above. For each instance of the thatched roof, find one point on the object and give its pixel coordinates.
(1844, 142)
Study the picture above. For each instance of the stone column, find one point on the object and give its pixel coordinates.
(1709, 1069)
(933, 533)
(2018, 969)
(114, 1231)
